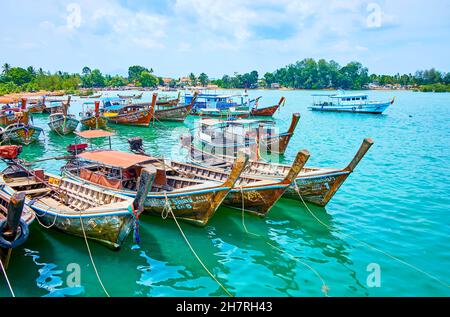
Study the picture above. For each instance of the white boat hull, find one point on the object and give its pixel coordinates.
(374, 108)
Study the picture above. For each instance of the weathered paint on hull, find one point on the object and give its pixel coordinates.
(317, 189)
(94, 122)
(265, 112)
(61, 127)
(141, 118)
(177, 114)
(110, 231)
(256, 201)
(196, 209)
(8, 119)
(36, 108)
(23, 136)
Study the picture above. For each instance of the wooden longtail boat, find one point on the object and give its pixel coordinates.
(251, 193)
(56, 105)
(91, 96)
(169, 102)
(315, 185)
(15, 216)
(71, 207)
(63, 124)
(37, 106)
(20, 133)
(192, 200)
(11, 115)
(261, 136)
(131, 114)
(138, 96)
(92, 118)
(267, 111)
(171, 113)
(226, 113)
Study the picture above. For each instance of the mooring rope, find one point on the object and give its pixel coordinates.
(193, 251)
(90, 256)
(7, 279)
(367, 244)
(324, 287)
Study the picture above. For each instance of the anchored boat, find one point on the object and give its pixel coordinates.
(131, 114)
(260, 136)
(192, 200)
(15, 216)
(357, 103)
(91, 118)
(314, 185)
(266, 111)
(74, 208)
(11, 115)
(63, 123)
(250, 193)
(20, 133)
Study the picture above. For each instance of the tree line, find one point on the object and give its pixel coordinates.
(17, 79)
(304, 74)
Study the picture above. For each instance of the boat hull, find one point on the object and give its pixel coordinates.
(110, 231)
(370, 108)
(140, 118)
(38, 108)
(8, 119)
(22, 135)
(195, 207)
(63, 126)
(264, 112)
(177, 114)
(94, 122)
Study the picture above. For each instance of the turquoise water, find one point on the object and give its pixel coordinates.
(396, 201)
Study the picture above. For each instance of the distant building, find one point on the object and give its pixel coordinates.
(275, 86)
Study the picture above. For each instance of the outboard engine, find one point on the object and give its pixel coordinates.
(136, 145)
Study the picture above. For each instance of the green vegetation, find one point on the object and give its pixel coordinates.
(305, 74)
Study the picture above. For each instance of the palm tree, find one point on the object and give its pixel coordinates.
(6, 68)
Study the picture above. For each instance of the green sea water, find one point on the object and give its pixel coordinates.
(397, 202)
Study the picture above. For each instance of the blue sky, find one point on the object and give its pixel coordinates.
(175, 37)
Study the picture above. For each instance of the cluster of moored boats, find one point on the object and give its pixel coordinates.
(101, 193)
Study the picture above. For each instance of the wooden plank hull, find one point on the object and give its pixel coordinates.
(140, 118)
(22, 135)
(315, 185)
(63, 125)
(94, 122)
(177, 114)
(264, 112)
(105, 216)
(36, 108)
(110, 231)
(195, 207)
(252, 194)
(12, 118)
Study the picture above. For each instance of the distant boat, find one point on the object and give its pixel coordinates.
(266, 111)
(139, 96)
(63, 122)
(357, 103)
(92, 118)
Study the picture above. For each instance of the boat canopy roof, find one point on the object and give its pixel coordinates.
(112, 158)
(212, 122)
(93, 134)
(340, 95)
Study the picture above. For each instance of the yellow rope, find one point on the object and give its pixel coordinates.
(193, 251)
(367, 244)
(7, 279)
(324, 288)
(90, 256)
